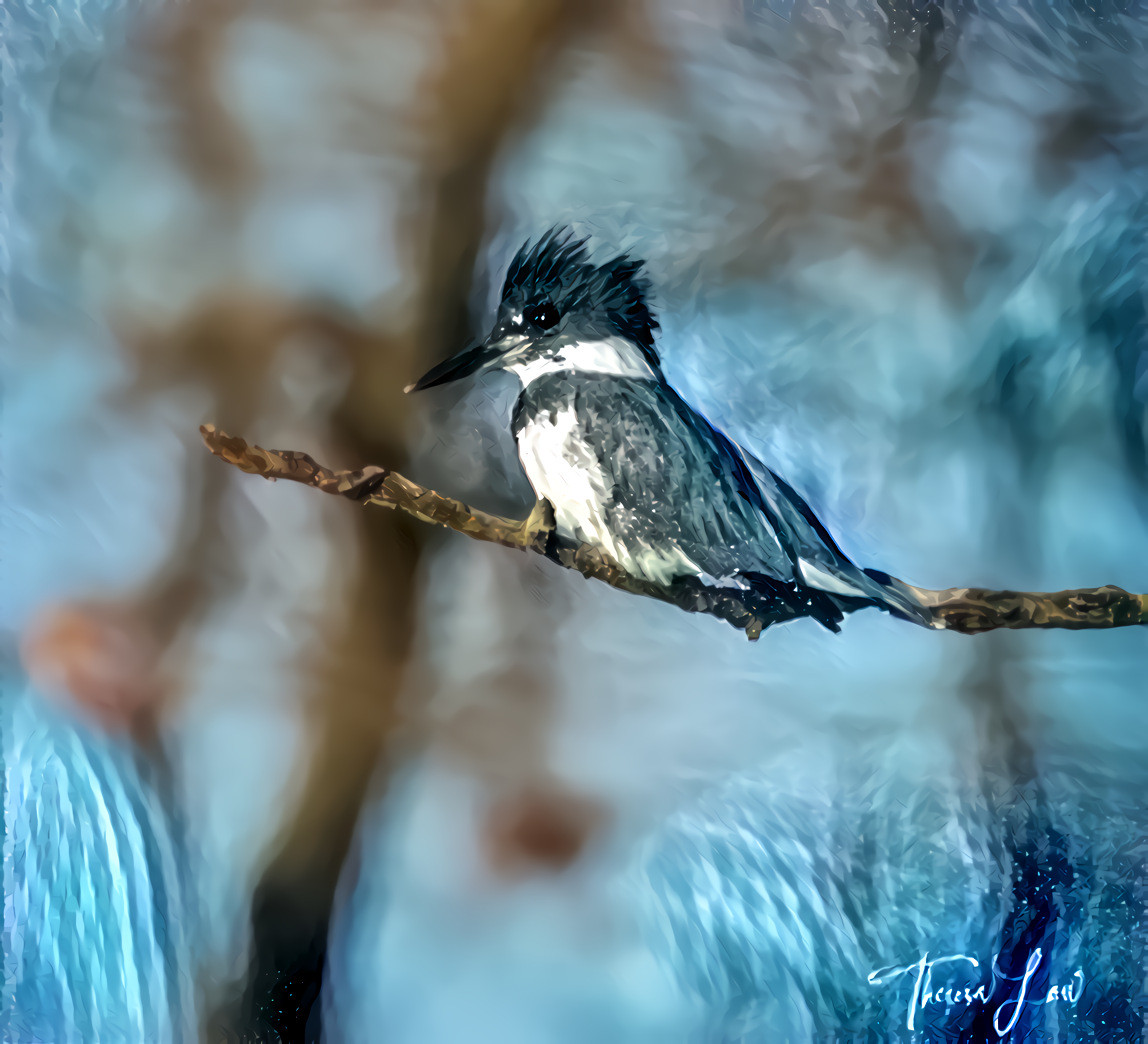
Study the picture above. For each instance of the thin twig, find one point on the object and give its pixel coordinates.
(967, 610)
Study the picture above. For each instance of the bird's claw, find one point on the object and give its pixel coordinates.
(539, 525)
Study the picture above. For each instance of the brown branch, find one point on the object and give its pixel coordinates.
(973, 610)
(967, 610)
(375, 485)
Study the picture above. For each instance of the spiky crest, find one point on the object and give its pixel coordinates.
(557, 269)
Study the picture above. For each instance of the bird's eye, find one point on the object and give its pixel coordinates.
(542, 316)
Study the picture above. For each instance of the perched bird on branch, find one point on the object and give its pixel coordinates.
(630, 467)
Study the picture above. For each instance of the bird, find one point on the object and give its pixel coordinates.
(630, 467)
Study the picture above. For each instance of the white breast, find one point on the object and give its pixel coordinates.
(564, 470)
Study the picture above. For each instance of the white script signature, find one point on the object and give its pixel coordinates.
(1006, 1015)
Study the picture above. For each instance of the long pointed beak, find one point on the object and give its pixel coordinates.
(469, 360)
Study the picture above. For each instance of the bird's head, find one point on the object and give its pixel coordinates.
(559, 311)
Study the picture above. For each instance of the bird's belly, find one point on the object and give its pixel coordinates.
(562, 468)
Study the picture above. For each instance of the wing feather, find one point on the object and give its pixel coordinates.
(679, 495)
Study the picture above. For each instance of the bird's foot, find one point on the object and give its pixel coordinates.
(538, 526)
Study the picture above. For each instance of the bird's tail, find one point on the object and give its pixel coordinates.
(828, 583)
(829, 592)
(885, 592)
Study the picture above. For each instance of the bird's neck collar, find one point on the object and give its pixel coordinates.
(609, 356)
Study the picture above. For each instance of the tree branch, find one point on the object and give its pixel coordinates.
(967, 610)
(974, 610)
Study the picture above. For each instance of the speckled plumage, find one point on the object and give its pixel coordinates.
(629, 466)
(672, 496)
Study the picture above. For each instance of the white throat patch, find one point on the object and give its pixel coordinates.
(613, 355)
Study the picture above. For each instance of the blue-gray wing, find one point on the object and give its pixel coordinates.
(820, 563)
(667, 480)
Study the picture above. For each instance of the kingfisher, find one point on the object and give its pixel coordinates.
(630, 467)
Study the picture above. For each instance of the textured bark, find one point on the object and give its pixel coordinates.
(967, 610)
(974, 610)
